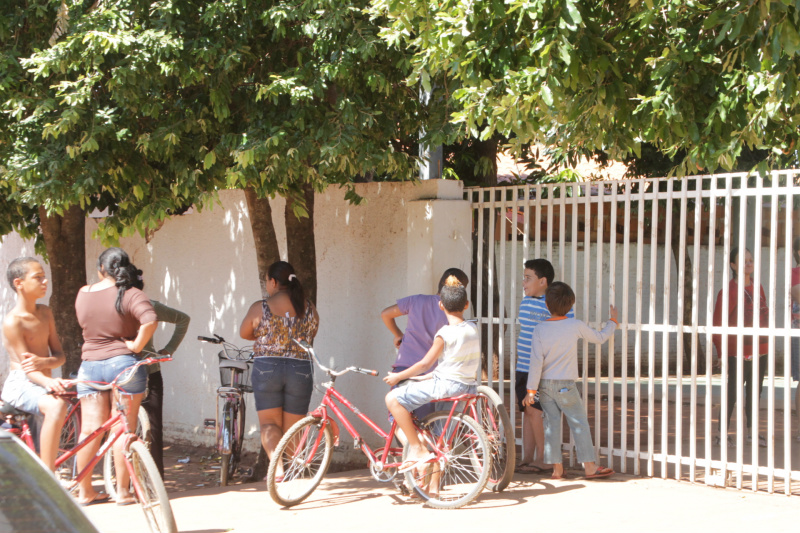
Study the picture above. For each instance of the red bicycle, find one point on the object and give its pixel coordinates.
(145, 479)
(454, 477)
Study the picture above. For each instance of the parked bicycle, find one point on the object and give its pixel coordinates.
(454, 477)
(235, 365)
(147, 484)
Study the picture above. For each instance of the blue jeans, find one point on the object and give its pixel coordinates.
(106, 370)
(561, 396)
(283, 382)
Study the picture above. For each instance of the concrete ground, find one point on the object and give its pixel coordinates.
(353, 502)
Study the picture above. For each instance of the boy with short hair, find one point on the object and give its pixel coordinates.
(553, 372)
(29, 336)
(538, 275)
(457, 349)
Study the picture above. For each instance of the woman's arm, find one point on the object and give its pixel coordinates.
(144, 334)
(418, 368)
(388, 316)
(250, 322)
(173, 316)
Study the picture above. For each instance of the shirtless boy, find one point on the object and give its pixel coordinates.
(29, 336)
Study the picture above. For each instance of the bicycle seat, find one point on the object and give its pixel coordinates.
(228, 363)
(9, 410)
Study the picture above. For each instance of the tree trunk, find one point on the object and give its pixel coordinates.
(302, 256)
(263, 234)
(65, 240)
(301, 245)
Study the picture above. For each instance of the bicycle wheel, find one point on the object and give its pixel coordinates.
(70, 435)
(303, 454)
(150, 490)
(491, 414)
(457, 478)
(231, 434)
(109, 473)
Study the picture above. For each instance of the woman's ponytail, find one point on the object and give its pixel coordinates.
(115, 262)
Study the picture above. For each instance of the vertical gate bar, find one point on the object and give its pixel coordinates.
(697, 239)
(587, 277)
(740, 426)
(501, 286)
(538, 221)
(726, 277)
(612, 295)
(710, 296)
(526, 241)
(494, 213)
(512, 297)
(679, 344)
(754, 393)
(666, 321)
(481, 211)
(651, 339)
(562, 225)
(575, 203)
(598, 313)
(623, 402)
(550, 205)
(637, 351)
(772, 296)
(787, 342)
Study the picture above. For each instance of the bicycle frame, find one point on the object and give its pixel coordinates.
(24, 430)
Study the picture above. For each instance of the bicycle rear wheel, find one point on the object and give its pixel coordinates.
(491, 414)
(150, 491)
(303, 456)
(70, 435)
(109, 472)
(461, 475)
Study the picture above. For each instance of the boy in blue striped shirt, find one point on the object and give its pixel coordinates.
(538, 275)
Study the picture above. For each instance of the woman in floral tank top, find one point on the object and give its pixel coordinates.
(282, 373)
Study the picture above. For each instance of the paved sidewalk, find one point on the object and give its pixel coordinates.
(353, 502)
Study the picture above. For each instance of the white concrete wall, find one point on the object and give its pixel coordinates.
(396, 243)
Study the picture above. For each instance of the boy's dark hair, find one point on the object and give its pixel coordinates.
(458, 273)
(18, 268)
(796, 249)
(453, 295)
(559, 298)
(543, 269)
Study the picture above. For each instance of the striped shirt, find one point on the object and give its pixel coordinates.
(532, 312)
(461, 355)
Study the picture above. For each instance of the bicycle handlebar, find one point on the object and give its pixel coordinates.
(336, 373)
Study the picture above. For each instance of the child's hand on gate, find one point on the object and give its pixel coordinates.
(392, 379)
(612, 313)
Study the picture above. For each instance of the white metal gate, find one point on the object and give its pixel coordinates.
(658, 249)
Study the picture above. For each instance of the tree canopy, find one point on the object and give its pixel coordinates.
(703, 80)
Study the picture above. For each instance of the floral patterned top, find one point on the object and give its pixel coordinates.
(274, 333)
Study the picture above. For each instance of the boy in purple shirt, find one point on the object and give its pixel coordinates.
(425, 318)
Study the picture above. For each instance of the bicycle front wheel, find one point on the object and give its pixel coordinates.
(491, 414)
(150, 490)
(230, 442)
(299, 462)
(109, 468)
(460, 476)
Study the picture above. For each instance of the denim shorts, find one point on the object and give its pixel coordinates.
(23, 393)
(106, 370)
(282, 382)
(414, 394)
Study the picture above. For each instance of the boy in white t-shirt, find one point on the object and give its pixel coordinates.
(457, 349)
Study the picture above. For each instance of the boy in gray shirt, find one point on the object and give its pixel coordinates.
(553, 371)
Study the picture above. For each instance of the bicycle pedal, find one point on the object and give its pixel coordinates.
(246, 472)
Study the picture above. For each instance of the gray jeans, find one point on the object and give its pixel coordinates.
(561, 396)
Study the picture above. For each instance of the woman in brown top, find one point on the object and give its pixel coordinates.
(117, 321)
(282, 373)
